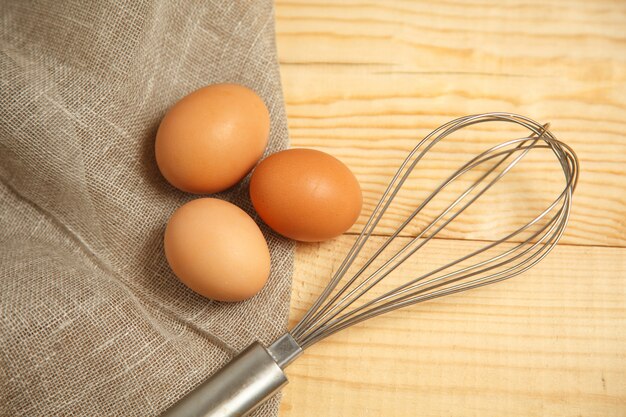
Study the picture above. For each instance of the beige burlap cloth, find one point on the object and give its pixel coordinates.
(92, 321)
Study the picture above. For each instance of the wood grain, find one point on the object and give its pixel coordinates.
(364, 81)
(549, 343)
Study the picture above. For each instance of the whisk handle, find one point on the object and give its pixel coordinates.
(241, 386)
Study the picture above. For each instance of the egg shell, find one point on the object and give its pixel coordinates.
(306, 194)
(210, 139)
(217, 250)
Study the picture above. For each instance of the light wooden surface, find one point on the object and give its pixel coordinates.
(363, 80)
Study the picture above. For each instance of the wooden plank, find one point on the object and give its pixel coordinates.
(365, 80)
(549, 343)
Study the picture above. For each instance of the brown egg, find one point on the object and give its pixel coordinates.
(217, 250)
(212, 138)
(305, 194)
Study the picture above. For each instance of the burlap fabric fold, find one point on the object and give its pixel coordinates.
(93, 323)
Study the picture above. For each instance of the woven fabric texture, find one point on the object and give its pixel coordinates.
(92, 320)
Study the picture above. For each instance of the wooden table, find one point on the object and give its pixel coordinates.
(364, 80)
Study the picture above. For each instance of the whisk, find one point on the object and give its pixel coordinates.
(258, 372)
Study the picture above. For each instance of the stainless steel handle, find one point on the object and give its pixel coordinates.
(245, 383)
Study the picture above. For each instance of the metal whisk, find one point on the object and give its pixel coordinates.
(257, 373)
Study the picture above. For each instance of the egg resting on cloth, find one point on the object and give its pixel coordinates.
(92, 320)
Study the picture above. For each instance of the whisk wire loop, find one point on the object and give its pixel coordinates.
(331, 312)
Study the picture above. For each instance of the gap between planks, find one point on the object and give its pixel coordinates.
(487, 240)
